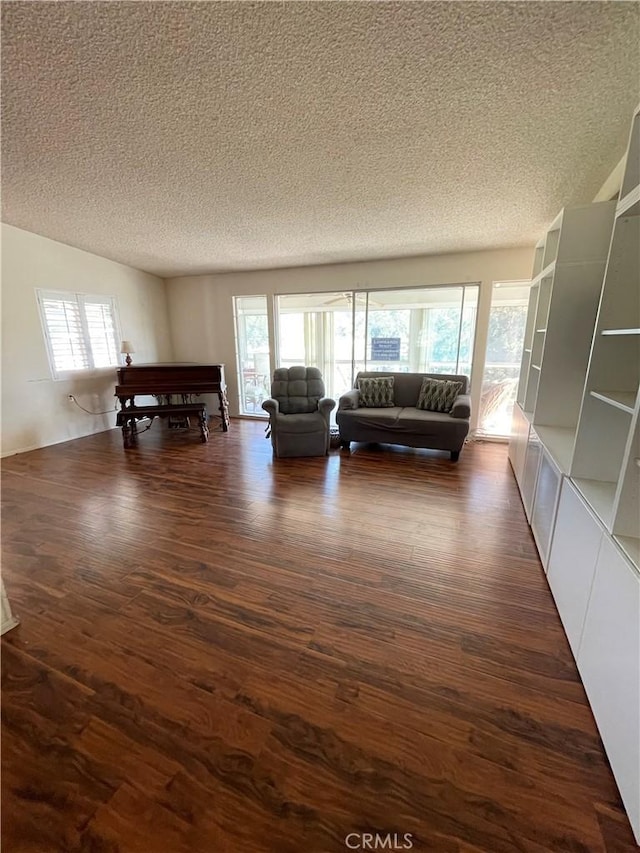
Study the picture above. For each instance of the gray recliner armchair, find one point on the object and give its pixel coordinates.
(298, 412)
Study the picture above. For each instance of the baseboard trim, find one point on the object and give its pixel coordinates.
(15, 452)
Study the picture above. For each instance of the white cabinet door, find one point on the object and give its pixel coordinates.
(609, 663)
(544, 505)
(518, 443)
(530, 475)
(572, 561)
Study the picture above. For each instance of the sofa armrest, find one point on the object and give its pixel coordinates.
(326, 406)
(461, 407)
(350, 400)
(271, 406)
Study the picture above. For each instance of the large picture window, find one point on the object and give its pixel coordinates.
(419, 329)
(81, 331)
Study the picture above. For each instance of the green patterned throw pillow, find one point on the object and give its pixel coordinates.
(376, 393)
(438, 395)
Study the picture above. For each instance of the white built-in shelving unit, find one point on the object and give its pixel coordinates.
(575, 452)
(607, 444)
(563, 305)
(569, 265)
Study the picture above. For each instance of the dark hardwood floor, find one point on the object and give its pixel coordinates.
(224, 652)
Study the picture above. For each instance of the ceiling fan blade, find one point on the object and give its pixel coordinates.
(347, 299)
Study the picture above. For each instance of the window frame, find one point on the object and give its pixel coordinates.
(81, 300)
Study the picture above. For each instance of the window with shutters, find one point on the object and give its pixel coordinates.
(81, 331)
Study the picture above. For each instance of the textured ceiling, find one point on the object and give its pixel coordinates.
(194, 137)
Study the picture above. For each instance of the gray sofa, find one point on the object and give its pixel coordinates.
(405, 424)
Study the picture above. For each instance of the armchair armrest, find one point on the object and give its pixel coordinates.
(350, 400)
(461, 407)
(326, 406)
(271, 406)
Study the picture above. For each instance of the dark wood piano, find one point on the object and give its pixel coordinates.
(183, 380)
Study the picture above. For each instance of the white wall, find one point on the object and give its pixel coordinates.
(35, 408)
(201, 310)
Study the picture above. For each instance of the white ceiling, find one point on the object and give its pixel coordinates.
(200, 136)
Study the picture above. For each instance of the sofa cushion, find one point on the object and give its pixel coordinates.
(301, 423)
(429, 423)
(376, 393)
(383, 418)
(438, 395)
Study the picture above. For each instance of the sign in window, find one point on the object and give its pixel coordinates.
(385, 349)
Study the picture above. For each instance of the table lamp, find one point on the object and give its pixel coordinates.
(127, 347)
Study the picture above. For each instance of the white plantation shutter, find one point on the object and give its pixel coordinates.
(81, 331)
(65, 336)
(100, 320)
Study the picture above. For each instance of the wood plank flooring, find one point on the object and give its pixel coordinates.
(224, 652)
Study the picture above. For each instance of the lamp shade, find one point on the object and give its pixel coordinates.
(126, 346)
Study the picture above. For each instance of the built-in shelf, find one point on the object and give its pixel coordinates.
(538, 258)
(561, 316)
(620, 332)
(624, 400)
(547, 271)
(551, 243)
(631, 546)
(599, 496)
(631, 211)
(559, 443)
(628, 206)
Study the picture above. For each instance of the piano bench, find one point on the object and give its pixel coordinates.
(127, 418)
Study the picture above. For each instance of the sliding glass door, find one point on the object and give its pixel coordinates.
(320, 330)
(507, 319)
(252, 348)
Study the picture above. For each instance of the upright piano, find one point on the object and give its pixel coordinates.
(184, 380)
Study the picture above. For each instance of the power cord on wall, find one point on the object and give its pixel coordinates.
(88, 411)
